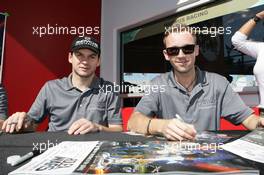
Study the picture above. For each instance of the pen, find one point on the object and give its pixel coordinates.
(259, 125)
(179, 117)
(25, 157)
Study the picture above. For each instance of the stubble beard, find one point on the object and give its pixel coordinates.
(183, 71)
(86, 76)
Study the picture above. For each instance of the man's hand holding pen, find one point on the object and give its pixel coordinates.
(177, 129)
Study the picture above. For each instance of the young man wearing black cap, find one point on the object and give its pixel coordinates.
(79, 103)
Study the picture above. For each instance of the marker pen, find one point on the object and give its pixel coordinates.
(25, 157)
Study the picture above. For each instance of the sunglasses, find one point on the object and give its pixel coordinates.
(174, 51)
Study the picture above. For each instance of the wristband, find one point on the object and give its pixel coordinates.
(148, 133)
(256, 19)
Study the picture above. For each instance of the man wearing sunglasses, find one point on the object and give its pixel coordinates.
(191, 99)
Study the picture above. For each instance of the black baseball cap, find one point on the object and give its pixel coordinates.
(85, 42)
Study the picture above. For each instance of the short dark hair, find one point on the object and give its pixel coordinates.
(177, 28)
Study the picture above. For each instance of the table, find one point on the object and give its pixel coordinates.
(20, 144)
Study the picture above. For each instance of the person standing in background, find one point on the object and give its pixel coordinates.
(254, 49)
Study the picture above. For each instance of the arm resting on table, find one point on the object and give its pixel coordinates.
(253, 121)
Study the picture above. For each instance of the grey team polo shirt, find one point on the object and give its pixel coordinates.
(3, 103)
(64, 104)
(211, 98)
